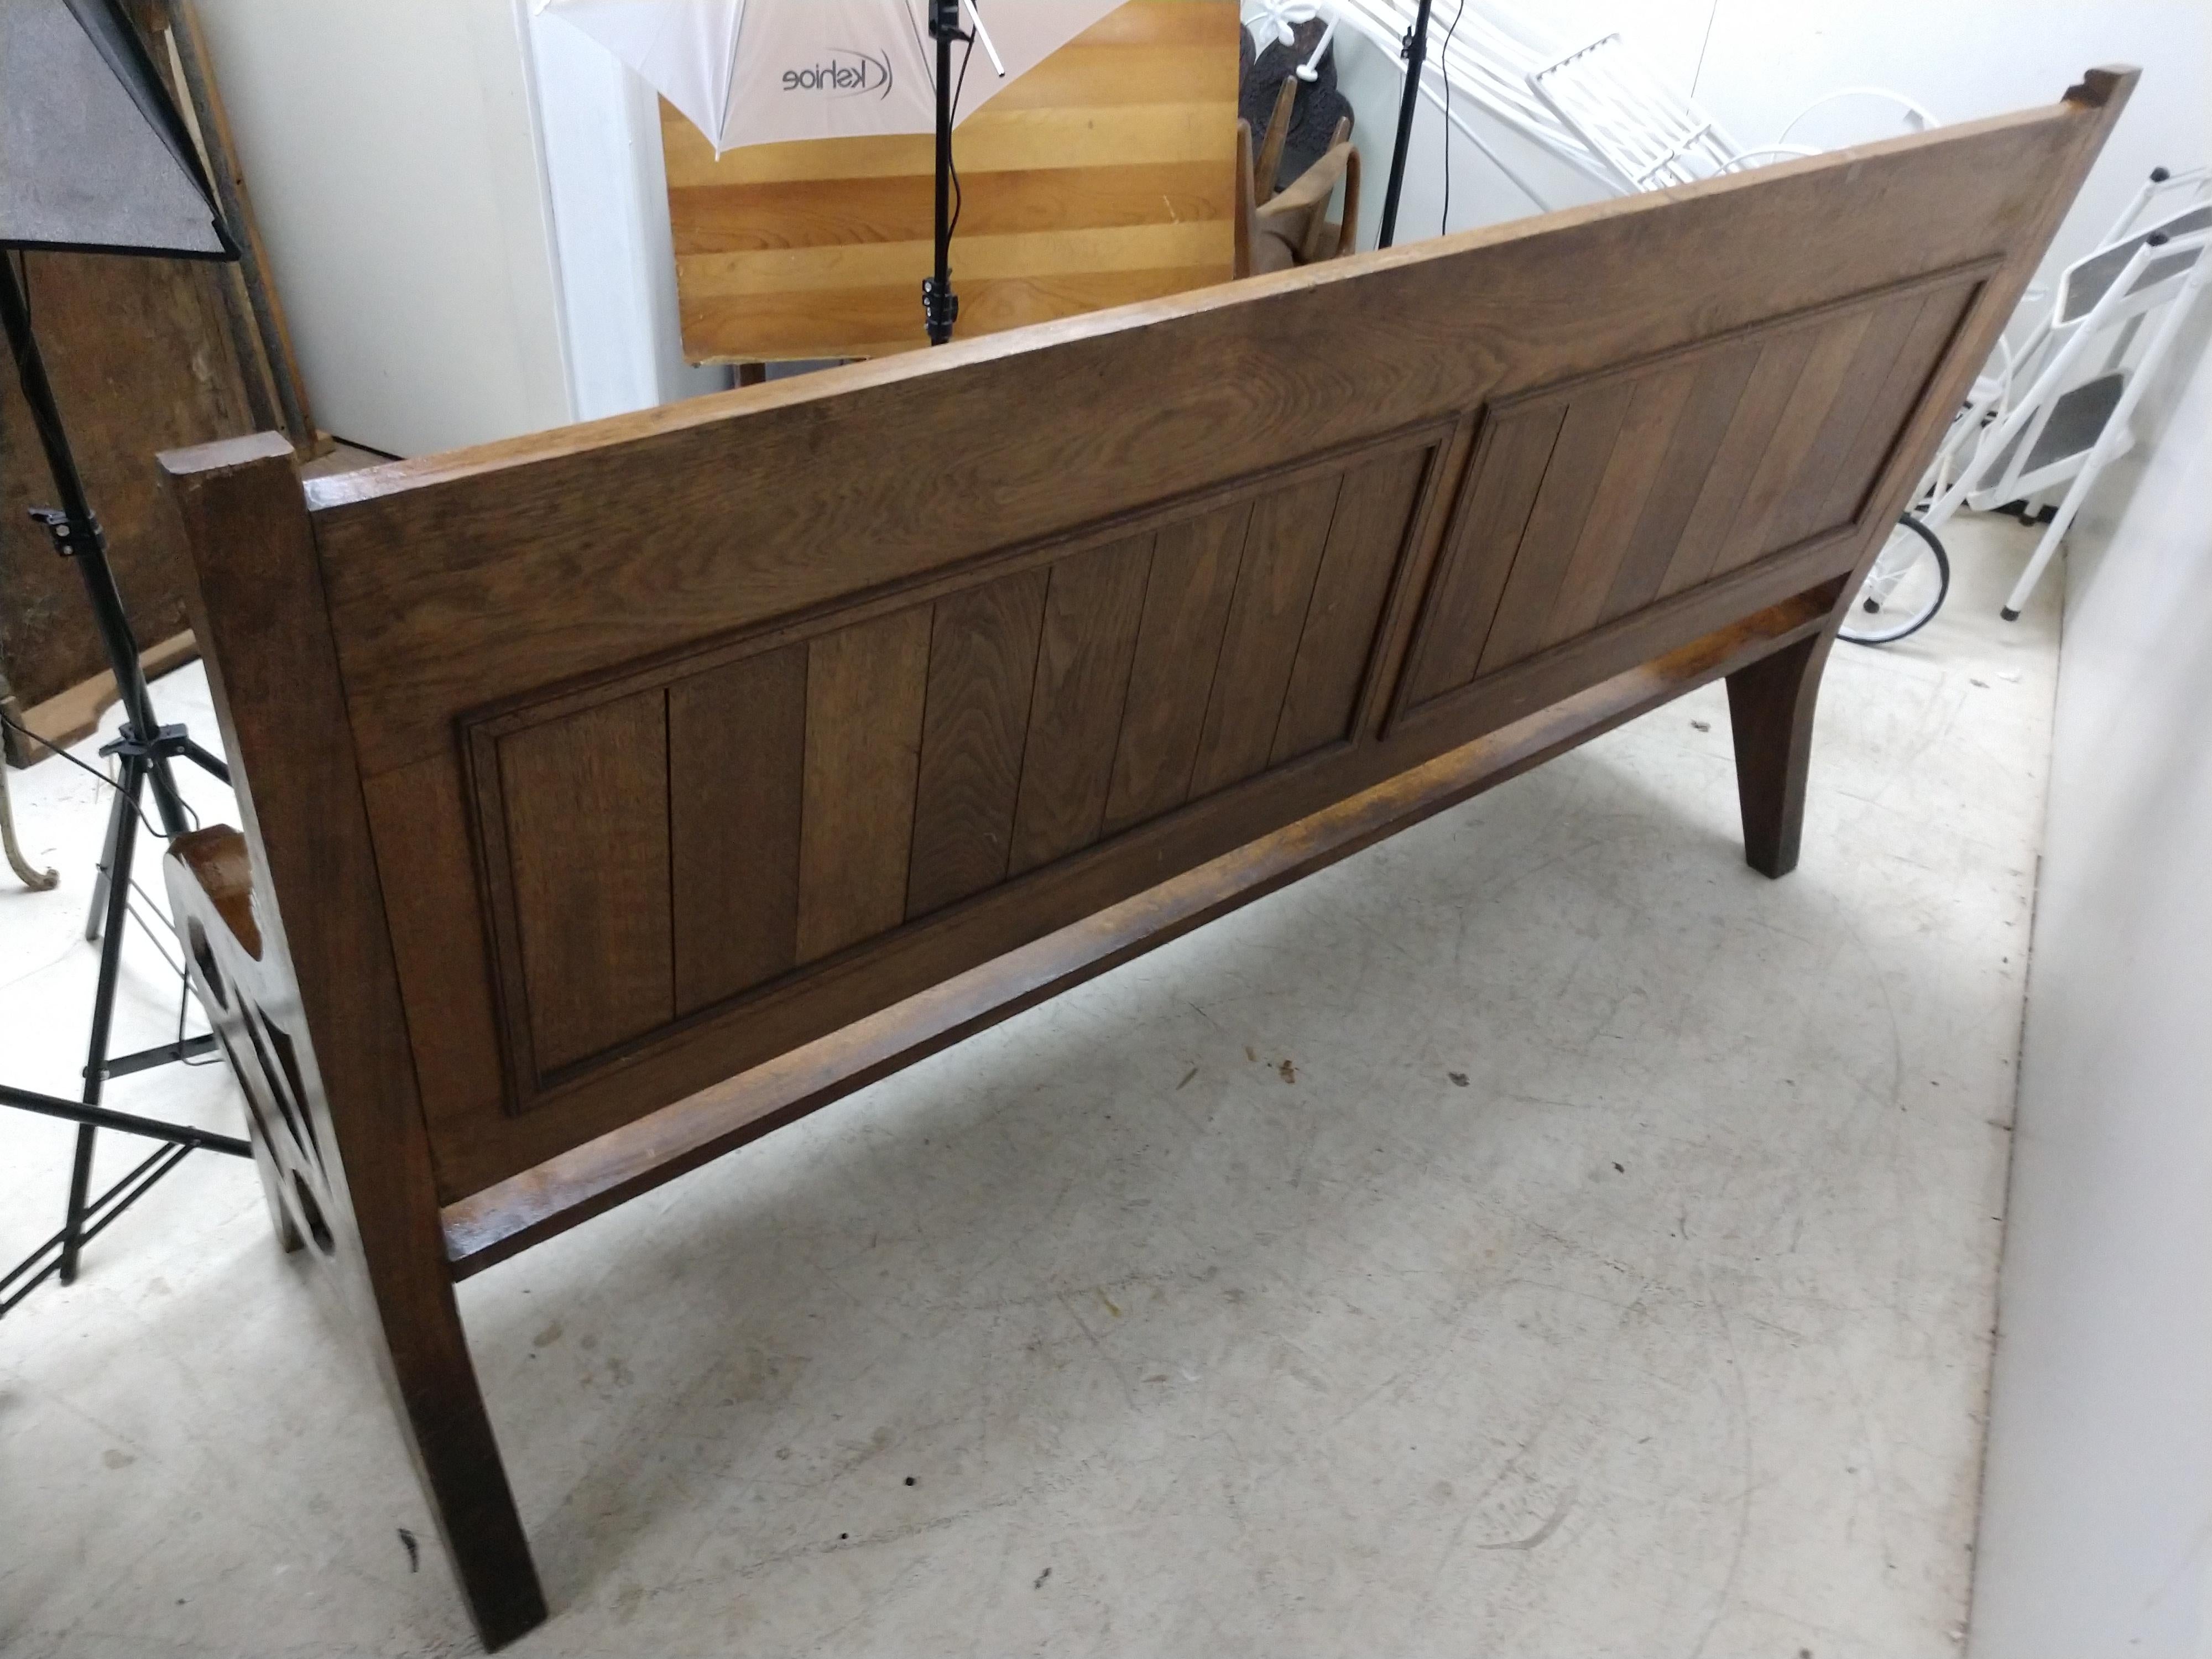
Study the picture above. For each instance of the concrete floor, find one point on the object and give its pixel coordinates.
(1537, 1235)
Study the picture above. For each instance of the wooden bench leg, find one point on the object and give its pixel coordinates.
(1771, 714)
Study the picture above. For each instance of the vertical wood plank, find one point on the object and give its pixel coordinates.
(1508, 469)
(1783, 469)
(736, 743)
(1185, 611)
(1555, 523)
(1282, 554)
(1366, 542)
(1893, 405)
(1806, 511)
(1654, 410)
(587, 811)
(1751, 427)
(1090, 641)
(865, 687)
(1722, 377)
(982, 659)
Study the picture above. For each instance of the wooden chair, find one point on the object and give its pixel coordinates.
(1278, 229)
(613, 796)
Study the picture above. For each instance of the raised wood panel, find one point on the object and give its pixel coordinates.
(448, 595)
(864, 691)
(1082, 685)
(1193, 579)
(1283, 547)
(1555, 523)
(982, 664)
(1104, 175)
(1509, 460)
(586, 803)
(1367, 535)
(1705, 422)
(737, 751)
(1587, 503)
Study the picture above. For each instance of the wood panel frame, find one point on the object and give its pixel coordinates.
(350, 627)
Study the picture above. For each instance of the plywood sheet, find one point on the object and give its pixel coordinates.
(1106, 174)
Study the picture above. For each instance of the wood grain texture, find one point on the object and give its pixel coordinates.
(737, 749)
(1705, 422)
(983, 665)
(366, 654)
(587, 811)
(1367, 538)
(140, 360)
(865, 692)
(259, 607)
(1508, 469)
(1104, 175)
(1082, 685)
(1635, 465)
(1572, 480)
(1259, 648)
(1194, 576)
(1059, 457)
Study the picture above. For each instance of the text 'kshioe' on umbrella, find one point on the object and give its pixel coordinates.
(769, 71)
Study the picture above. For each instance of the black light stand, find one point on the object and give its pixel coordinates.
(1415, 51)
(145, 747)
(940, 307)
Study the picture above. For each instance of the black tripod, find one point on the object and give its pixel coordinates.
(145, 750)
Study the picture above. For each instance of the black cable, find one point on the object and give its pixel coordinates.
(52, 747)
(951, 162)
(1443, 68)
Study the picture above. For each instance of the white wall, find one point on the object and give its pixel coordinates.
(465, 212)
(1754, 64)
(599, 129)
(390, 155)
(2097, 1515)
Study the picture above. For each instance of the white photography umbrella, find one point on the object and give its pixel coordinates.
(766, 71)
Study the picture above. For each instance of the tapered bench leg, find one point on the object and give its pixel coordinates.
(1771, 714)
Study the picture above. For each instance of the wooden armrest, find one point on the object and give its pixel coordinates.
(217, 859)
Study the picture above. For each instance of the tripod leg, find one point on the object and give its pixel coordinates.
(123, 837)
(96, 913)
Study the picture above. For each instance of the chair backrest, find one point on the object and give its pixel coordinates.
(685, 739)
(1650, 136)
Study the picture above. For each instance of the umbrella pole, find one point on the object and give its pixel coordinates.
(940, 307)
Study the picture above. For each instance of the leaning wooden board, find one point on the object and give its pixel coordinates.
(1105, 174)
(615, 795)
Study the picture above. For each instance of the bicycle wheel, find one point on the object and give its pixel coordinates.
(1905, 588)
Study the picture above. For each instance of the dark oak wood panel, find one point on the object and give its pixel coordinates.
(1270, 554)
(1782, 468)
(586, 801)
(1366, 545)
(865, 690)
(1656, 407)
(1939, 320)
(1555, 523)
(1082, 686)
(1773, 382)
(1193, 578)
(1705, 422)
(737, 751)
(983, 665)
(1509, 462)
(1282, 554)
